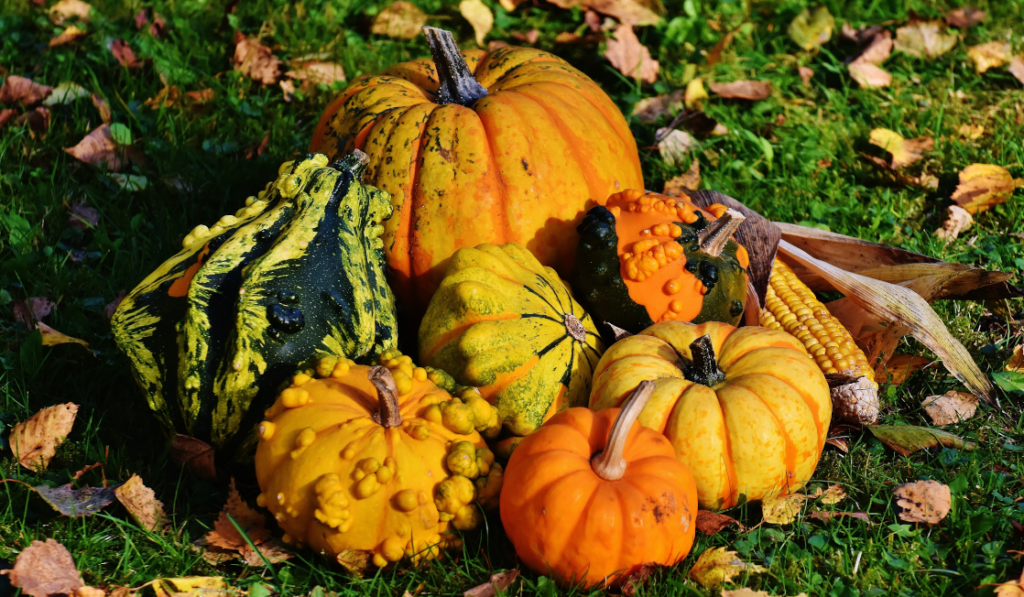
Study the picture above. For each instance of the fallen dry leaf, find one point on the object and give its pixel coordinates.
(641, 577)
(782, 509)
(141, 503)
(45, 569)
(34, 442)
(630, 57)
(904, 151)
(22, 90)
(925, 180)
(717, 565)
(67, 36)
(712, 523)
(958, 220)
(479, 17)
(745, 592)
(951, 407)
(65, 93)
(195, 455)
(971, 131)
(878, 50)
(123, 54)
(530, 37)
(1013, 588)
(6, 115)
(677, 187)
(907, 439)
(627, 12)
(984, 185)
(990, 55)
(748, 90)
(31, 310)
(1016, 362)
(498, 583)
(868, 75)
(103, 107)
(924, 39)
(650, 109)
(695, 94)
(202, 96)
(674, 145)
(98, 147)
(109, 308)
(828, 516)
(310, 73)
(287, 89)
(810, 30)
(1017, 68)
(52, 337)
(83, 217)
(193, 586)
(76, 503)
(923, 501)
(226, 537)
(38, 120)
(66, 9)
(805, 74)
(965, 17)
(402, 20)
(255, 60)
(832, 495)
(165, 98)
(901, 366)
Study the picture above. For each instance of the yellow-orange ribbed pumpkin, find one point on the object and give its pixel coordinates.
(508, 146)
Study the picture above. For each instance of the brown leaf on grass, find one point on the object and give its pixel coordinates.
(83, 217)
(498, 583)
(878, 49)
(6, 115)
(984, 185)
(923, 501)
(782, 509)
(746, 592)
(832, 495)
(310, 73)
(868, 75)
(34, 442)
(958, 220)
(924, 39)
(907, 439)
(711, 523)
(103, 107)
(201, 96)
(748, 90)
(715, 55)
(964, 17)
(255, 60)
(717, 565)
(45, 569)
(76, 503)
(650, 109)
(98, 147)
(951, 407)
(195, 455)
(805, 74)
(66, 9)
(479, 17)
(109, 308)
(628, 12)
(899, 368)
(52, 337)
(674, 145)
(1013, 588)
(31, 310)
(971, 131)
(123, 54)
(630, 57)
(990, 55)
(677, 187)
(839, 443)
(401, 19)
(287, 89)
(810, 30)
(904, 151)
(38, 120)
(827, 516)
(1016, 362)
(69, 35)
(1017, 68)
(225, 536)
(159, 26)
(925, 180)
(165, 98)
(22, 90)
(641, 577)
(141, 503)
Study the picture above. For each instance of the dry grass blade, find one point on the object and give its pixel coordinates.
(898, 305)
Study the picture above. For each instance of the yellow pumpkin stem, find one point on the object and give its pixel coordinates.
(610, 464)
(713, 238)
(457, 83)
(704, 367)
(388, 414)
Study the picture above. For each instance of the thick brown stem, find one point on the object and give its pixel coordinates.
(618, 332)
(457, 83)
(704, 367)
(713, 238)
(609, 464)
(388, 415)
(575, 328)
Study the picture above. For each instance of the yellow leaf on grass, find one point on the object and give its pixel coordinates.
(402, 20)
(35, 441)
(990, 55)
(984, 185)
(833, 495)
(479, 16)
(904, 151)
(717, 565)
(901, 366)
(925, 39)
(695, 93)
(810, 30)
(782, 509)
(52, 337)
(193, 586)
(1013, 588)
(1016, 362)
(65, 9)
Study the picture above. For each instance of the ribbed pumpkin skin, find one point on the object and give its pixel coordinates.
(499, 322)
(565, 520)
(520, 165)
(759, 433)
(215, 330)
(339, 482)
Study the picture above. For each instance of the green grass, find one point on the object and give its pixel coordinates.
(205, 149)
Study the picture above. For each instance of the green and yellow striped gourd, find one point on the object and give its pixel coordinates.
(216, 330)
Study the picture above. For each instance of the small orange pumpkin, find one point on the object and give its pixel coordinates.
(590, 497)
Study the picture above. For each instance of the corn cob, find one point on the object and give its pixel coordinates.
(791, 306)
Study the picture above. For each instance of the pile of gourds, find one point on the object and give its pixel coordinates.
(444, 205)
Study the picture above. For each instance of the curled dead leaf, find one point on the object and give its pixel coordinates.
(630, 57)
(868, 75)
(984, 185)
(805, 74)
(810, 30)
(674, 145)
(748, 90)
(1016, 362)
(141, 503)
(958, 220)
(904, 151)
(23, 90)
(34, 442)
(711, 523)
(123, 54)
(401, 20)
(76, 503)
(31, 310)
(628, 12)
(497, 584)
(98, 147)
(45, 568)
(225, 537)
(990, 55)
(827, 516)
(103, 107)
(924, 39)
(951, 407)
(832, 495)
(69, 35)
(1017, 68)
(907, 439)
(83, 217)
(479, 17)
(901, 366)
(717, 565)
(679, 185)
(965, 17)
(255, 60)
(923, 501)
(195, 455)
(310, 73)
(782, 509)
(650, 109)
(68, 9)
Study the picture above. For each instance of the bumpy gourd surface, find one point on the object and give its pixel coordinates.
(519, 165)
(757, 434)
(338, 481)
(215, 330)
(506, 324)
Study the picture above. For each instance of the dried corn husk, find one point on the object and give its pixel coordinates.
(896, 311)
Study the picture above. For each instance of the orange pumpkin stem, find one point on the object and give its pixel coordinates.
(610, 464)
(713, 238)
(457, 83)
(388, 415)
(704, 368)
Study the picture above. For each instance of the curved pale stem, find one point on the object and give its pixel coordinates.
(610, 464)
(388, 415)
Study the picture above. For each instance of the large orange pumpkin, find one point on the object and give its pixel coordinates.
(749, 423)
(590, 497)
(508, 146)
